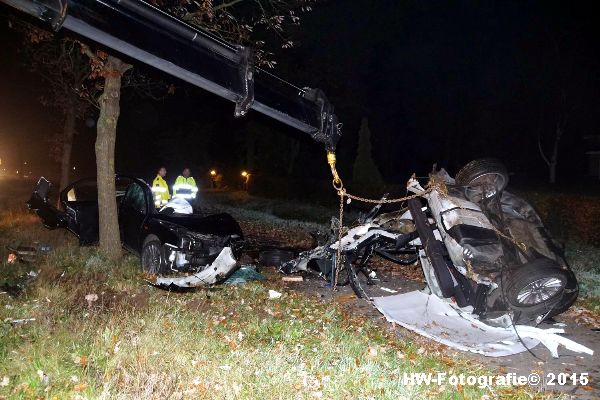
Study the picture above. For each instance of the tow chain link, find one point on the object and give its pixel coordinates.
(338, 185)
(338, 254)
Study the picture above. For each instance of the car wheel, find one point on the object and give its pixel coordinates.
(482, 179)
(569, 295)
(355, 281)
(153, 257)
(536, 288)
(275, 258)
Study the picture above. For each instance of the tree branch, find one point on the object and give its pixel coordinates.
(222, 6)
(88, 52)
(539, 141)
(226, 5)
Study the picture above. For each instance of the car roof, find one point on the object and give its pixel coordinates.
(117, 176)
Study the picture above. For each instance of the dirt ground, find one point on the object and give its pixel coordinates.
(521, 364)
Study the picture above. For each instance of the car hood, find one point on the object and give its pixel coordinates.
(217, 224)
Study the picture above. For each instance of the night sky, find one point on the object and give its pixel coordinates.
(441, 82)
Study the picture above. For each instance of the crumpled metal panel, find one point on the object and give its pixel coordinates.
(220, 269)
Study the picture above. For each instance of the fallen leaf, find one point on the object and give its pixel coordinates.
(80, 387)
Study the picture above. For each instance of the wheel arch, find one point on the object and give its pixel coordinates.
(150, 237)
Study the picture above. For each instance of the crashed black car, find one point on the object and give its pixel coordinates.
(164, 240)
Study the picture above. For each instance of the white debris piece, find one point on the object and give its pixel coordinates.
(274, 294)
(179, 206)
(551, 340)
(19, 321)
(446, 323)
(218, 270)
(91, 298)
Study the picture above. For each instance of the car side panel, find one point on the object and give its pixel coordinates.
(159, 229)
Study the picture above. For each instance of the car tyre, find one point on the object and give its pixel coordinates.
(482, 179)
(536, 288)
(275, 257)
(153, 257)
(355, 281)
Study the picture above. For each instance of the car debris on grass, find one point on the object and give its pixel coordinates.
(478, 245)
(482, 249)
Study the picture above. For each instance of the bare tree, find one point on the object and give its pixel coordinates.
(265, 24)
(106, 137)
(108, 71)
(365, 170)
(551, 157)
(562, 87)
(234, 20)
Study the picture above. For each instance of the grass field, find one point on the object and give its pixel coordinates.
(95, 330)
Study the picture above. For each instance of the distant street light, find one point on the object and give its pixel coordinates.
(73, 168)
(246, 177)
(213, 178)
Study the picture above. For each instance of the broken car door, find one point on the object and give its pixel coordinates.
(80, 201)
(51, 217)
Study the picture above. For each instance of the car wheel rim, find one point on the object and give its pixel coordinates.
(152, 259)
(539, 291)
(485, 186)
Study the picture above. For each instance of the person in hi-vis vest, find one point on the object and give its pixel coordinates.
(160, 189)
(185, 186)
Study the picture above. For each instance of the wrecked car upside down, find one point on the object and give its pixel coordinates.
(477, 244)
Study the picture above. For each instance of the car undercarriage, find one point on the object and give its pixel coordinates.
(477, 243)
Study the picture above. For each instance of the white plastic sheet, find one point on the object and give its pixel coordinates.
(446, 323)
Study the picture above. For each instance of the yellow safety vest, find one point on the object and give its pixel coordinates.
(160, 190)
(185, 188)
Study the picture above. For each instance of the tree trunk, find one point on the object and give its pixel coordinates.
(551, 161)
(110, 242)
(554, 160)
(552, 174)
(67, 144)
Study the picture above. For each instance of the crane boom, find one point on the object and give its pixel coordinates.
(142, 32)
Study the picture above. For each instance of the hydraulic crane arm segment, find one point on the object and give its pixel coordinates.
(144, 33)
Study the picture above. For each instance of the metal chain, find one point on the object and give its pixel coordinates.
(339, 248)
(338, 185)
(520, 245)
(444, 194)
(433, 184)
(342, 192)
